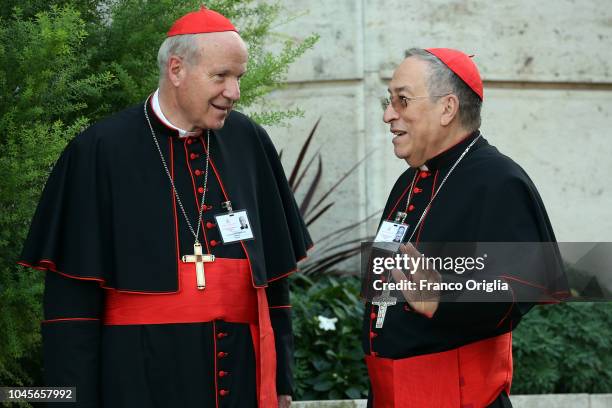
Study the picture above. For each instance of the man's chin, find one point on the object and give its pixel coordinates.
(400, 154)
(216, 124)
(412, 161)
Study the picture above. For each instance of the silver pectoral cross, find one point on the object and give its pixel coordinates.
(383, 301)
(199, 261)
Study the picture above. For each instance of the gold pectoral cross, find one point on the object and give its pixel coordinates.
(199, 261)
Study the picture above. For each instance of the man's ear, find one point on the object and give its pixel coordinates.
(175, 70)
(450, 109)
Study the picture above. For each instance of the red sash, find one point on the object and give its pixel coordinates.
(229, 296)
(471, 376)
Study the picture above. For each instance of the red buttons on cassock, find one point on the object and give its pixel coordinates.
(424, 174)
(194, 156)
(221, 335)
(372, 316)
(189, 141)
(372, 335)
(221, 354)
(206, 207)
(411, 207)
(417, 190)
(200, 190)
(213, 243)
(210, 225)
(223, 393)
(222, 373)
(198, 172)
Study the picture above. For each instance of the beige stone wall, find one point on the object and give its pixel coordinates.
(547, 68)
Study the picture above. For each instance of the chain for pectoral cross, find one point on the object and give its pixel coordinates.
(467, 149)
(198, 258)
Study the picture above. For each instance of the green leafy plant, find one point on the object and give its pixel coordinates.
(565, 348)
(329, 363)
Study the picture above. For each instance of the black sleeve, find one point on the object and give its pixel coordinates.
(280, 315)
(71, 336)
(511, 212)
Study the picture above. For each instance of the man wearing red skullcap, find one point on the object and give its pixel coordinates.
(424, 347)
(157, 295)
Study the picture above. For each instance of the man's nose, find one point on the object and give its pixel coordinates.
(232, 90)
(390, 114)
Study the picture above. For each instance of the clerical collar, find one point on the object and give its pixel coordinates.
(157, 110)
(448, 156)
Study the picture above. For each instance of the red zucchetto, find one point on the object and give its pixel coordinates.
(201, 21)
(462, 65)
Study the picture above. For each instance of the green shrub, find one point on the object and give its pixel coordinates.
(565, 348)
(45, 77)
(329, 363)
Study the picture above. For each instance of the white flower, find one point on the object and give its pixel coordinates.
(327, 323)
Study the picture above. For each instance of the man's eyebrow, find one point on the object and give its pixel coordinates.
(400, 88)
(226, 70)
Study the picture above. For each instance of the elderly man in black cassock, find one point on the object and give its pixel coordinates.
(154, 294)
(422, 352)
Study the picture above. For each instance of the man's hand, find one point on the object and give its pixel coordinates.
(284, 401)
(422, 301)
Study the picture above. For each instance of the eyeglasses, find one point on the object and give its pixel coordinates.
(401, 102)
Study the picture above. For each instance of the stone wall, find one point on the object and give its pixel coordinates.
(547, 68)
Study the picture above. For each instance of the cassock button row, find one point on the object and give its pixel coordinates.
(206, 207)
(221, 335)
(210, 225)
(411, 207)
(223, 393)
(213, 243)
(372, 335)
(221, 354)
(424, 174)
(194, 156)
(198, 172)
(189, 141)
(200, 190)
(223, 373)
(417, 190)
(372, 316)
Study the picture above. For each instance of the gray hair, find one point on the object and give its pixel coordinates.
(185, 46)
(441, 80)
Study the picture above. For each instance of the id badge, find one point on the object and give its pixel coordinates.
(390, 235)
(234, 226)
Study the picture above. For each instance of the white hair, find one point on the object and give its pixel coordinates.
(184, 46)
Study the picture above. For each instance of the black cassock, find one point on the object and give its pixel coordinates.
(487, 198)
(108, 220)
